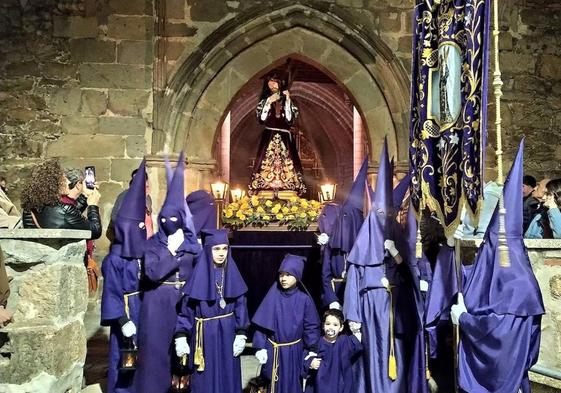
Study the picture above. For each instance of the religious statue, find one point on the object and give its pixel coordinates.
(277, 171)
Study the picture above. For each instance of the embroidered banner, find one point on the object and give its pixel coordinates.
(448, 107)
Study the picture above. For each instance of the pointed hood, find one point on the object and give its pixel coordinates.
(130, 228)
(351, 217)
(369, 245)
(202, 285)
(400, 190)
(492, 288)
(174, 213)
(169, 170)
(201, 204)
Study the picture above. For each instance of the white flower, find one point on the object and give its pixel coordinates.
(323, 239)
(454, 139)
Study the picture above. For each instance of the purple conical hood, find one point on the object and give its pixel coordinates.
(368, 248)
(492, 288)
(400, 190)
(383, 198)
(175, 214)
(130, 229)
(169, 170)
(202, 285)
(202, 206)
(351, 216)
(327, 218)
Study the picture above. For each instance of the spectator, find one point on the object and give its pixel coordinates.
(547, 223)
(531, 204)
(3, 185)
(491, 195)
(9, 215)
(5, 315)
(46, 200)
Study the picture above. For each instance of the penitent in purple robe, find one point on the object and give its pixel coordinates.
(121, 269)
(344, 231)
(335, 374)
(286, 317)
(500, 332)
(222, 371)
(166, 274)
(366, 299)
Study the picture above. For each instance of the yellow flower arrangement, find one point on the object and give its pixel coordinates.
(296, 213)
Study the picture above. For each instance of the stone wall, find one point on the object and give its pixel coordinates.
(44, 349)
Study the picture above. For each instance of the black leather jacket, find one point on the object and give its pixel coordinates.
(64, 216)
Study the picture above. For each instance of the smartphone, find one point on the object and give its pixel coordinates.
(89, 178)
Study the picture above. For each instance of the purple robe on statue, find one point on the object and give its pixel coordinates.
(218, 326)
(344, 232)
(121, 269)
(335, 375)
(500, 332)
(367, 300)
(286, 317)
(166, 274)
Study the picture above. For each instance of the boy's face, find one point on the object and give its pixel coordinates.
(219, 253)
(287, 280)
(332, 326)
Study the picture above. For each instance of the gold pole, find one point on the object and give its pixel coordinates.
(504, 259)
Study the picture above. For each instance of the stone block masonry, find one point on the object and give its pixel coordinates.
(44, 349)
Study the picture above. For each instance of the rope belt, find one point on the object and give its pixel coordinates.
(126, 297)
(392, 362)
(275, 372)
(176, 284)
(199, 359)
(336, 281)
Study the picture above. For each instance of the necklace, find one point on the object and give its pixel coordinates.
(220, 290)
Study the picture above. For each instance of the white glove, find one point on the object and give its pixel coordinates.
(239, 344)
(175, 240)
(423, 286)
(182, 347)
(385, 282)
(335, 306)
(355, 326)
(323, 239)
(261, 356)
(450, 241)
(458, 309)
(128, 329)
(311, 355)
(390, 246)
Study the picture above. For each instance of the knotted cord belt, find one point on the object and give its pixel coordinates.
(176, 284)
(336, 281)
(275, 371)
(199, 359)
(392, 362)
(126, 297)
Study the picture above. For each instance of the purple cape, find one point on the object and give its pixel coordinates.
(202, 285)
(500, 333)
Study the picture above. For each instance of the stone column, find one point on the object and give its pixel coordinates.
(225, 149)
(358, 141)
(44, 348)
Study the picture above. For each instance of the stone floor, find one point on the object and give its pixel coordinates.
(95, 370)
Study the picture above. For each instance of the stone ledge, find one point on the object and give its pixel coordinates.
(45, 234)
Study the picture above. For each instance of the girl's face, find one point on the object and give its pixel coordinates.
(287, 280)
(219, 253)
(332, 327)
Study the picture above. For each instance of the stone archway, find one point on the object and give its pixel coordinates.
(202, 88)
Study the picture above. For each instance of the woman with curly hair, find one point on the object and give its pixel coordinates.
(547, 223)
(52, 200)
